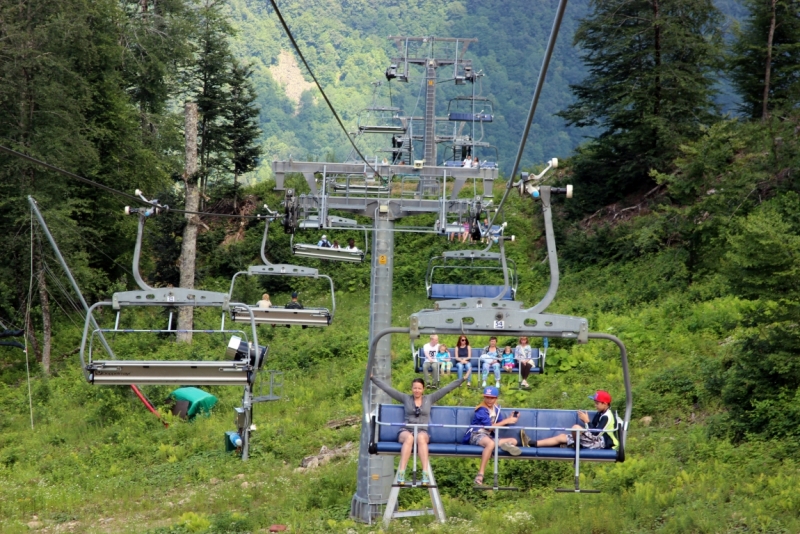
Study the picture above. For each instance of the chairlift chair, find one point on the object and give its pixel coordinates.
(280, 315)
(308, 250)
(438, 291)
(239, 369)
(493, 316)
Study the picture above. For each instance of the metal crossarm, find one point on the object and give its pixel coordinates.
(482, 316)
(281, 269)
(170, 296)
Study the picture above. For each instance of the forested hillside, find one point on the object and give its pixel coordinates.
(348, 49)
(681, 239)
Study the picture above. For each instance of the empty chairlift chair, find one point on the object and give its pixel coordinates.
(187, 372)
(477, 263)
(242, 358)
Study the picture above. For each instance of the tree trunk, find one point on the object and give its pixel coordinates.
(47, 331)
(189, 247)
(768, 67)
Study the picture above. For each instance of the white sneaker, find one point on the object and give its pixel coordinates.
(484, 384)
(497, 385)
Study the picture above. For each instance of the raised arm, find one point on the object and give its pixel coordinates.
(393, 393)
(436, 395)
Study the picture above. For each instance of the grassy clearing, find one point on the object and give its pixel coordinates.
(98, 462)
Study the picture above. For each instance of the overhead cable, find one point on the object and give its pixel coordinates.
(111, 189)
(311, 73)
(551, 44)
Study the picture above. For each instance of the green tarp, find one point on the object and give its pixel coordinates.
(198, 399)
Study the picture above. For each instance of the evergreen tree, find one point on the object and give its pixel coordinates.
(207, 83)
(244, 130)
(64, 99)
(650, 87)
(765, 61)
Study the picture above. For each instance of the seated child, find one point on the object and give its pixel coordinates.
(508, 359)
(443, 357)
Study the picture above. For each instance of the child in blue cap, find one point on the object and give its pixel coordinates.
(487, 414)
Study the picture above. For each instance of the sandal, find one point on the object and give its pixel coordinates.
(479, 479)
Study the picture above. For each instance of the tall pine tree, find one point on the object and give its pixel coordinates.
(208, 86)
(650, 87)
(242, 117)
(765, 60)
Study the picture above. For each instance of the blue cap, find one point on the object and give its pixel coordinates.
(490, 391)
(294, 294)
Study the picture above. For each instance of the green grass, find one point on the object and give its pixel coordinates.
(98, 458)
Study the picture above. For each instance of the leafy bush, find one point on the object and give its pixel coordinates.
(758, 380)
(763, 260)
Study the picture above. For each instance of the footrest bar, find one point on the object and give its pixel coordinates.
(413, 513)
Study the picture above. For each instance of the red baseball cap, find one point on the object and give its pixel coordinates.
(601, 396)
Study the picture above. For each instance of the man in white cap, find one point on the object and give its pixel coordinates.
(324, 242)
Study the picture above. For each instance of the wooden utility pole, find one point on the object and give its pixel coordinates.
(189, 246)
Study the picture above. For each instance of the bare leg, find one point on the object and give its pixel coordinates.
(407, 439)
(422, 449)
(555, 441)
(488, 449)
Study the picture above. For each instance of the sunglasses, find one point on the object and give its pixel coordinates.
(416, 411)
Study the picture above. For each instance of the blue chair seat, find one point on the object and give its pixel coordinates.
(448, 441)
(483, 117)
(462, 291)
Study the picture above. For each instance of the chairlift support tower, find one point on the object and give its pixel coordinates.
(385, 205)
(462, 71)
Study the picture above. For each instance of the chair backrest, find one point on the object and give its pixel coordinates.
(464, 291)
(462, 416)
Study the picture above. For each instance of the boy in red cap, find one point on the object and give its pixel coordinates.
(604, 419)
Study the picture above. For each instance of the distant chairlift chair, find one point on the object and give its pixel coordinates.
(440, 291)
(279, 315)
(328, 253)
